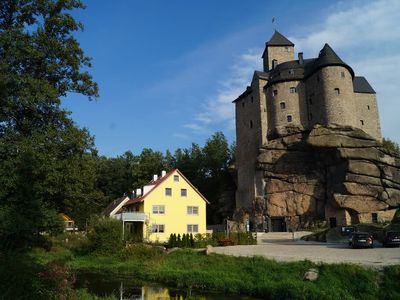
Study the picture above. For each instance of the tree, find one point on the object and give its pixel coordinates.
(391, 145)
(46, 160)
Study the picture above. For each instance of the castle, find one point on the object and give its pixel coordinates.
(296, 93)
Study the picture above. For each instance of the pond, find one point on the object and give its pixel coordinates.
(127, 287)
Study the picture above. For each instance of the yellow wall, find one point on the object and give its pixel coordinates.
(175, 218)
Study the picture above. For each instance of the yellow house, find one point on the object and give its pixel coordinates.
(167, 204)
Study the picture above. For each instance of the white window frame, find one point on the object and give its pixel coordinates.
(192, 228)
(192, 210)
(158, 209)
(158, 228)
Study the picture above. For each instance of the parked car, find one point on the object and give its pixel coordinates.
(391, 238)
(361, 240)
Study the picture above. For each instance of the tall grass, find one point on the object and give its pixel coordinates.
(254, 276)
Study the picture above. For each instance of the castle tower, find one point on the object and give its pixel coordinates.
(277, 50)
(331, 85)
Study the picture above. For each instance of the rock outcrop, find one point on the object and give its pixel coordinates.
(338, 174)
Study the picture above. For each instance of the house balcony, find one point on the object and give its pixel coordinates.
(131, 217)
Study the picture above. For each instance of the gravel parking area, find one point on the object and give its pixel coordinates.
(317, 252)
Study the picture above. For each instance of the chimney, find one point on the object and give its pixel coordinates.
(155, 177)
(163, 173)
(138, 192)
(274, 63)
(301, 60)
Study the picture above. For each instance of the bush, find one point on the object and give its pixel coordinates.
(215, 239)
(105, 236)
(141, 252)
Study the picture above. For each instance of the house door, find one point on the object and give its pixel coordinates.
(278, 224)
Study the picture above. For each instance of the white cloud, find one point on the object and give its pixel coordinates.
(218, 107)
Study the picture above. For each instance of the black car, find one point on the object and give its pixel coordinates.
(391, 238)
(360, 240)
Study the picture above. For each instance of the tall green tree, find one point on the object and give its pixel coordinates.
(45, 166)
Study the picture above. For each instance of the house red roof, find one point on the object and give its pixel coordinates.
(160, 180)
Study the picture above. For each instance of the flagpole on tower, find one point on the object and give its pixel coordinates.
(274, 23)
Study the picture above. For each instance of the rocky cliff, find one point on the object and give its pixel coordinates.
(337, 174)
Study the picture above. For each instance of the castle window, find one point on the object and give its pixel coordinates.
(274, 92)
(243, 104)
(362, 122)
(283, 105)
(310, 117)
(289, 118)
(293, 90)
(251, 124)
(368, 107)
(286, 48)
(252, 99)
(291, 72)
(310, 100)
(342, 74)
(337, 91)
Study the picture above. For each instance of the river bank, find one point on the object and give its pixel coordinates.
(253, 276)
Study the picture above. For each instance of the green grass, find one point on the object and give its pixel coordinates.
(253, 276)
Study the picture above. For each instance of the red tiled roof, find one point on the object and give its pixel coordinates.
(158, 182)
(152, 182)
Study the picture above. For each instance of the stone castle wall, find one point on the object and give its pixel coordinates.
(280, 53)
(366, 109)
(286, 103)
(249, 120)
(337, 96)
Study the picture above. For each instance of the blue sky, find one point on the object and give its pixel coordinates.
(169, 70)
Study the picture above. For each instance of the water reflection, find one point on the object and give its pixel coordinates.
(127, 288)
(154, 293)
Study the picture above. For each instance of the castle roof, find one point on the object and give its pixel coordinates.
(361, 85)
(328, 57)
(294, 70)
(277, 40)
